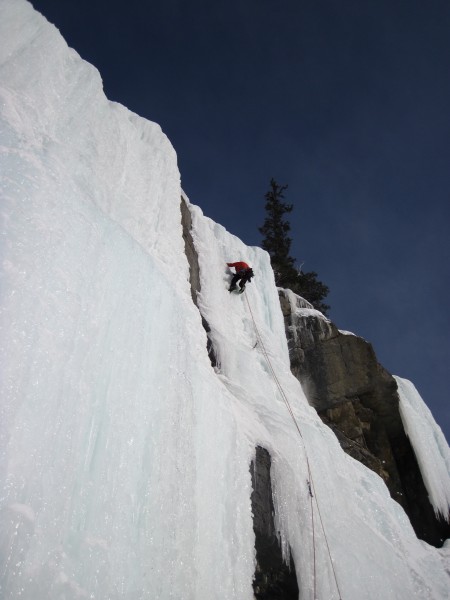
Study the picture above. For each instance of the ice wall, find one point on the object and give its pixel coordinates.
(124, 457)
(107, 422)
(430, 446)
(363, 525)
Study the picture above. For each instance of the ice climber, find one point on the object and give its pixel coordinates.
(243, 273)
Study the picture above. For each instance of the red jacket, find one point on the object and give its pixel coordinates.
(239, 266)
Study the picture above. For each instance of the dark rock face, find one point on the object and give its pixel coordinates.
(357, 398)
(194, 272)
(274, 579)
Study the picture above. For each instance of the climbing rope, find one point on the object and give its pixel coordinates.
(310, 481)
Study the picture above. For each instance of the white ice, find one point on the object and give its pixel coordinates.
(429, 444)
(124, 456)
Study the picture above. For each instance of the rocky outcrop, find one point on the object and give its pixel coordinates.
(357, 398)
(273, 579)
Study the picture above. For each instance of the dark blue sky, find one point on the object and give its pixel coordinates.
(346, 102)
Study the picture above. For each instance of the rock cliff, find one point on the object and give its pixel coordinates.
(357, 398)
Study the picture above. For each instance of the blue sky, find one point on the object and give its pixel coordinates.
(346, 102)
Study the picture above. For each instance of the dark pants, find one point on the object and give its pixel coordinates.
(239, 275)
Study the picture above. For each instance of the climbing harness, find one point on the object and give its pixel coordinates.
(310, 481)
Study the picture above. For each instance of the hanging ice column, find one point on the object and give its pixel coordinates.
(124, 456)
(430, 446)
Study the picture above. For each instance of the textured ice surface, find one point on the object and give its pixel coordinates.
(124, 456)
(430, 446)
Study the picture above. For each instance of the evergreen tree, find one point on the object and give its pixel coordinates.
(313, 290)
(277, 243)
(275, 231)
